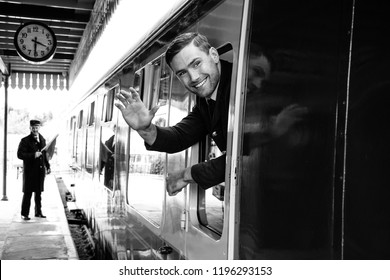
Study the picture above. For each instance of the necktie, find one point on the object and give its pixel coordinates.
(211, 106)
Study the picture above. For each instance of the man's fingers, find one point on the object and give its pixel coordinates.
(173, 193)
(125, 93)
(134, 95)
(175, 183)
(122, 98)
(128, 96)
(120, 106)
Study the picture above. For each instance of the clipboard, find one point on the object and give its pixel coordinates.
(50, 142)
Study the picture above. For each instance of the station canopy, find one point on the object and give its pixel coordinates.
(77, 25)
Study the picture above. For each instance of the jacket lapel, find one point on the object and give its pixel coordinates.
(223, 96)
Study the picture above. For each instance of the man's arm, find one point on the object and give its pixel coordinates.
(205, 174)
(149, 134)
(23, 152)
(210, 173)
(189, 131)
(136, 115)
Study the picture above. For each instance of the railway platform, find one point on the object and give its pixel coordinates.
(39, 238)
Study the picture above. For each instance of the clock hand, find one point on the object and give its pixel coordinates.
(39, 43)
(35, 45)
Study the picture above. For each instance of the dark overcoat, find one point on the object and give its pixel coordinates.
(34, 169)
(195, 127)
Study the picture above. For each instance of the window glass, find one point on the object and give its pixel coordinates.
(79, 138)
(108, 104)
(165, 84)
(146, 193)
(138, 82)
(89, 149)
(287, 165)
(121, 152)
(80, 119)
(72, 135)
(91, 114)
(71, 123)
(90, 136)
(156, 70)
(104, 108)
(107, 152)
(367, 162)
(211, 201)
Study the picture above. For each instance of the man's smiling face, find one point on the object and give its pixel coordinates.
(199, 71)
(35, 129)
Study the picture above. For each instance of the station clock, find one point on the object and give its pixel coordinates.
(35, 42)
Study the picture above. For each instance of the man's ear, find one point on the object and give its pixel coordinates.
(214, 54)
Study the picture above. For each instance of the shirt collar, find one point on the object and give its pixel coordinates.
(214, 95)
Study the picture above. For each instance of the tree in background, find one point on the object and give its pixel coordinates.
(19, 120)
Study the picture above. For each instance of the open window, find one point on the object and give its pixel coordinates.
(72, 136)
(211, 201)
(79, 138)
(107, 139)
(90, 138)
(108, 104)
(91, 114)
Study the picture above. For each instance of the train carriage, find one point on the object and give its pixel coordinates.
(307, 149)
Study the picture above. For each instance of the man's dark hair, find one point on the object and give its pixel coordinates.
(184, 40)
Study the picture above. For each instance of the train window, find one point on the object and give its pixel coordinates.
(139, 82)
(72, 134)
(79, 136)
(164, 84)
(80, 119)
(121, 147)
(151, 90)
(104, 108)
(90, 136)
(108, 104)
(146, 186)
(211, 201)
(71, 123)
(91, 114)
(156, 70)
(287, 172)
(107, 151)
(89, 149)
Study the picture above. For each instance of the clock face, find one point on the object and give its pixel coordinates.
(35, 42)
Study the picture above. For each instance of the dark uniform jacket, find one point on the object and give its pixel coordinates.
(195, 127)
(33, 168)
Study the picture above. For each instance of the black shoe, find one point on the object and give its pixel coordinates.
(26, 218)
(40, 216)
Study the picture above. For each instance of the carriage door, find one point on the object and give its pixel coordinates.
(202, 216)
(207, 218)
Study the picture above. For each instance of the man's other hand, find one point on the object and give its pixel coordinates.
(178, 180)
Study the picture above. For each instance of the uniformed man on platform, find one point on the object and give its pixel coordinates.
(35, 167)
